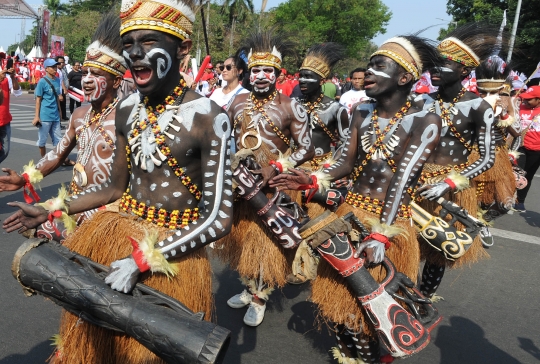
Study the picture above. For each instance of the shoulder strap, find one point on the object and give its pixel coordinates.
(52, 86)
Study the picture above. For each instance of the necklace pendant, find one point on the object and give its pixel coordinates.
(432, 109)
(453, 110)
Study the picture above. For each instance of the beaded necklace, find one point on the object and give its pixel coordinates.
(258, 105)
(97, 119)
(163, 151)
(312, 110)
(447, 120)
(379, 149)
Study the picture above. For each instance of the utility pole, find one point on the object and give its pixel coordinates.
(514, 31)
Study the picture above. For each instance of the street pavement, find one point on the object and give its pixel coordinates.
(490, 309)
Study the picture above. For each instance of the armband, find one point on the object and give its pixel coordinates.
(456, 181)
(380, 238)
(31, 176)
(148, 257)
(58, 210)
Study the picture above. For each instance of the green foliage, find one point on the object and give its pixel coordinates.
(351, 23)
(77, 30)
(24, 85)
(526, 52)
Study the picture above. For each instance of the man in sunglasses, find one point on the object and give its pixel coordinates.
(64, 83)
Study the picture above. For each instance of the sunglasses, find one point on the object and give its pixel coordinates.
(228, 67)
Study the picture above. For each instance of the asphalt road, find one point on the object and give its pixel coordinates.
(490, 309)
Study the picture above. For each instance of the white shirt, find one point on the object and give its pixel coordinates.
(349, 98)
(13, 92)
(223, 99)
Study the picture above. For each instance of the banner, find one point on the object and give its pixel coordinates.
(45, 33)
(57, 46)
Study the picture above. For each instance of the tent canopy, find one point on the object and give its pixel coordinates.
(16, 9)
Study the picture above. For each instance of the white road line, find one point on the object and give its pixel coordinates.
(29, 142)
(22, 105)
(26, 129)
(515, 236)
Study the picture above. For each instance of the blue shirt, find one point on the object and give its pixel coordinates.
(49, 107)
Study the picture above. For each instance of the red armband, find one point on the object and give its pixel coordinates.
(138, 255)
(450, 183)
(380, 238)
(277, 165)
(311, 189)
(54, 215)
(28, 190)
(505, 117)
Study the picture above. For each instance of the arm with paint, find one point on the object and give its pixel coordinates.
(29, 216)
(483, 121)
(343, 124)
(298, 179)
(213, 224)
(300, 130)
(49, 163)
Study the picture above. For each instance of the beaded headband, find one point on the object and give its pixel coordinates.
(316, 65)
(265, 58)
(168, 16)
(455, 50)
(403, 53)
(100, 56)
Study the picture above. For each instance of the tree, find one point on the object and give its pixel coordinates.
(351, 23)
(237, 11)
(526, 53)
(56, 8)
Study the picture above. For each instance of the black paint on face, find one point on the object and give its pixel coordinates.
(310, 83)
(152, 58)
(382, 76)
(449, 73)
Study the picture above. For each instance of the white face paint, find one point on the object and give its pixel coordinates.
(99, 84)
(163, 65)
(445, 69)
(302, 79)
(379, 73)
(261, 76)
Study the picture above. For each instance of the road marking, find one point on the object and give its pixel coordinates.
(515, 236)
(29, 142)
(22, 105)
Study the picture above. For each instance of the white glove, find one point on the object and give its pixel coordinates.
(377, 253)
(123, 275)
(435, 191)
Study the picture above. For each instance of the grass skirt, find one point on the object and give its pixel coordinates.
(336, 302)
(466, 199)
(103, 238)
(498, 183)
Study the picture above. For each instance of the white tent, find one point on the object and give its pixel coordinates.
(2, 49)
(31, 54)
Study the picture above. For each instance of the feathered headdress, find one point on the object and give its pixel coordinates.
(469, 44)
(106, 48)
(413, 53)
(322, 57)
(174, 17)
(266, 48)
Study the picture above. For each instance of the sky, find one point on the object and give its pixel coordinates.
(407, 17)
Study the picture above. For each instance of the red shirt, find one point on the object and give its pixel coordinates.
(530, 118)
(5, 115)
(285, 88)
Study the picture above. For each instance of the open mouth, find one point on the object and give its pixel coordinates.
(262, 84)
(142, 75)
(368, 84)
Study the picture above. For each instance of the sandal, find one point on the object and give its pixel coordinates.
(68, 163)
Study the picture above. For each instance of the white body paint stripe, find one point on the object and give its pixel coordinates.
(379, 73)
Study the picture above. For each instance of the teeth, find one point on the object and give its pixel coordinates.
(138, 68)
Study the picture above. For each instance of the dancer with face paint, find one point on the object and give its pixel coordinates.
(329, 127)
(387, 146)
(91, 128)
(171, 174)
(266, 123)
(467, 121)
